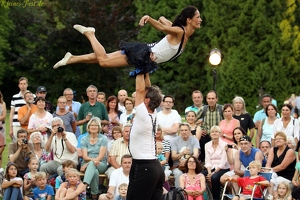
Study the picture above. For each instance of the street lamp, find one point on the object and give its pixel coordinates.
(215, 58)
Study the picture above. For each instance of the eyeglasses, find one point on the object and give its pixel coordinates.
(68, 94)
(276, 139)
(128, 103)
(191, 161)
(56, 125)
(93, 125)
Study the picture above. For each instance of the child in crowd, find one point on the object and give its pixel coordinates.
(12, 183)
(73, 188)
(66, 166)
(247, 183)
(43, 191)
(29, 178)
(160, 156)
(283, 192)
(122, 192)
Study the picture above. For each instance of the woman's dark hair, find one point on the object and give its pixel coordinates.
(40, 99)
(228, 105)
(109, 99)
(188, 12)
(241, 129)
(198, 165)
(287, 105)
(275, 108)
(6, 170)
(154, 94)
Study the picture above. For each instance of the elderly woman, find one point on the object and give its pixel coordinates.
(40, 120)
(215, 161)
(42, 155)
(128, 115)
(282, 160)
(228, 123)
(286, 124)
(65, 115)
(94, 155)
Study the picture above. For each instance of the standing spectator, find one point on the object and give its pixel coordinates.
(101, 97)
(40, 120)
(291, 101)
(16, 103)
(72, 106)
(215, 161)
(169, 119)
(265, 100)
(2, 126)
(286, 124)
(122, 94)
(42, 155)
(27, 110)
(265, 128)
(190, 117)
(65, 115)
(210, 115)
(63, 144)
(91, 108)
(240, 113)
(94, 147)
(197, 98)
(183, 146)
(21, 151)
(228, 124)
(113, 115)
(41, 92)
(127, 116)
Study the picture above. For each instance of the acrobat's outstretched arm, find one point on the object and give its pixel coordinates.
(165, 21)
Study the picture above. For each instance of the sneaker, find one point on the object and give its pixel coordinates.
(63, 61)
(83, 29)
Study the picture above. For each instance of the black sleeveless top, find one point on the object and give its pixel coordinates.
(287, 173)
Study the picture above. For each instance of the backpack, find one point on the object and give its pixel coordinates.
(175, 194)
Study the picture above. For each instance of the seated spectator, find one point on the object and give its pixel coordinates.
(216, 163)
(29, 178)
(73, 188)
(193, 181)
(40, 121)
(67, 116)
(66, 166)
(63, 144)
(27, 110)
(43, 156)
(128, 115)
(190, 117)
(296, 190)
(283, 191)
(265, 147)
(282, 160)
(113, 115)
(290, 142)
(21, 151)
(94, 155)
(43, 190)
(42, 92)
(116, 134)
(119, 148)
(183, 146)
(12, 183)
(160, 156)
(118, 177)
(122, 189)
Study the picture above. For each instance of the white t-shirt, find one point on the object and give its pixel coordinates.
(292, 128)
(141, 143)
(117, 178)
(61, 155)
(167, 121)
(124, 116)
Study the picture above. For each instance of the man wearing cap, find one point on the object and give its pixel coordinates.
(41, 92)
(27, 110)
(244, 156)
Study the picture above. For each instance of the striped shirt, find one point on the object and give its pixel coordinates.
(118, 149)
(16, 103)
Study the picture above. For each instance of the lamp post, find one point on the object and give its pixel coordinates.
(215, 58)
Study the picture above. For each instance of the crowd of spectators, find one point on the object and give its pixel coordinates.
(213, 146)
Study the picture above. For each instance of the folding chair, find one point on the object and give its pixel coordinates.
(266, 173)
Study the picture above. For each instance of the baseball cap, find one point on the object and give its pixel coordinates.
(245, 138)
(41, 89)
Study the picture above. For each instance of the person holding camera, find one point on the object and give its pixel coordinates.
(21, 151)
(63, 144)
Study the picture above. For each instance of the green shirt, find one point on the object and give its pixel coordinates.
(97, 110)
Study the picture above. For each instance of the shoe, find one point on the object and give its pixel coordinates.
(63, 61)
(83, 29)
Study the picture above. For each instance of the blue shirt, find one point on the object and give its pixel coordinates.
(43, 194)
(260, 115)
(191, 108)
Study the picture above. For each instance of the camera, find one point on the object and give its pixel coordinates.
(60, 129)
(25, 141)
(229, 146)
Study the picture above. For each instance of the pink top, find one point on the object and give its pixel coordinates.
(187, 181)
(227, 128)
(216, 158)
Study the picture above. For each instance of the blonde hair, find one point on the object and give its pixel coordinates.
(287, 186)
(256, 164)
(280, 133)
(72, 171)
(123, 185)
(40, 175)
(217, 128)
(159, 144)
